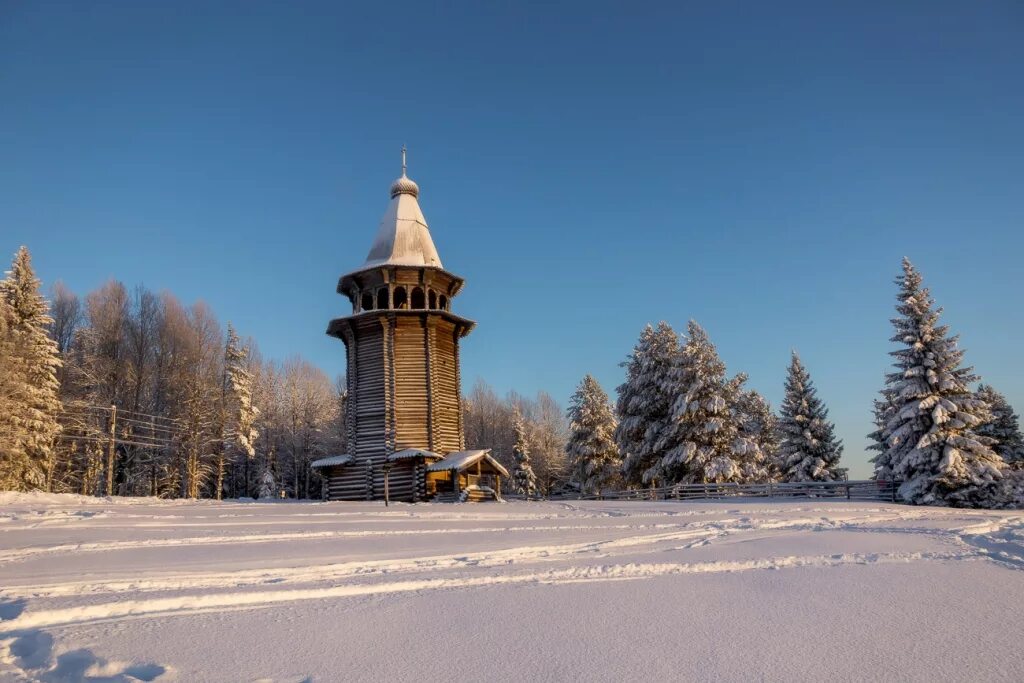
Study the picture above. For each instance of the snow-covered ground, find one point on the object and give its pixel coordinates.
(138, 589)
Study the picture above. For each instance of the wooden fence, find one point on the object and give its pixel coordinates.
(867, 489)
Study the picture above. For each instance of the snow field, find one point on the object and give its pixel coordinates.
(139, 589)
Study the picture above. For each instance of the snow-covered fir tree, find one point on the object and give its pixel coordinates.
(758, 423)
(1004, 426)
(242, 432)
(643, 406)
(524, 481)
(808, 447)
(931, 437)
(704, 443)
(268, 486)
(237, 415)
(593, 456)
(882, 409)
(29, 424)
(9, 472)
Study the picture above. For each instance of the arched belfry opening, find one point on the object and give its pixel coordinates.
(400, 299)
(404, 414)
(419, 302)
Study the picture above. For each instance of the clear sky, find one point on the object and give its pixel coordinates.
(588, 168)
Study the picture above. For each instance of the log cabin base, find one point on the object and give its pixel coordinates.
(416, 475)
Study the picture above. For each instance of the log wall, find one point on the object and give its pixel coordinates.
(446, 400)
(412, 400)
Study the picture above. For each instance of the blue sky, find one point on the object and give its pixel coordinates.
(588, 168)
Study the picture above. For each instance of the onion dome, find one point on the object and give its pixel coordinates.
(404, 185)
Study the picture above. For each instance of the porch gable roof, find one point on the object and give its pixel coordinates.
(460, 461)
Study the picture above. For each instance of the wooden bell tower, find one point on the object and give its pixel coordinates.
(402, 341)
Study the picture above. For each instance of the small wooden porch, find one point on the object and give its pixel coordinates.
(465, 476)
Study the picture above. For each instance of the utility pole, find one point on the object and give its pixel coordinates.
(110, 451)
(152, 460)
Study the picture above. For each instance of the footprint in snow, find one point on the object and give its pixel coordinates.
(31, 652)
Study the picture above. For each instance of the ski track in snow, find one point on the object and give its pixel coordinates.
(1004, 543)
(518, 555)
(23, 553)
(599, 542)
(191, 603)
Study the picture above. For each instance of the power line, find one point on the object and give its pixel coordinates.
(146, 426)
(139, 416)
(137, 427)
(88, 406)
(125, 442)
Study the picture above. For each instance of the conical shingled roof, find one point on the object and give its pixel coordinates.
(403, 238)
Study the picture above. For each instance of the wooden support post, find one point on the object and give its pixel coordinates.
(110, 451)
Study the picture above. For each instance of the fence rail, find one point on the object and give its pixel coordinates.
(866, 489)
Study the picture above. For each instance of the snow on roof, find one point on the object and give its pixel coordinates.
(413, 453)
(460, 460)
(332, 460)
(403, 238)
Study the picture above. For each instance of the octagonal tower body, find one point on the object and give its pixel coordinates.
(402, 343)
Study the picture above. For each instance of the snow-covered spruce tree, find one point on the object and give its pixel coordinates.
(238, 415)
(808, 447)
(643, 407)
(593, 456)
(9, 460)
(524, 481)
(268, 486)
(31, 423)
(704, 443)
(243, 431)
(882, 409)
(1003, 427)
(931, 440)
(758, 423)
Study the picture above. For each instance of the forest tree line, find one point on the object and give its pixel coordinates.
(130, 392)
